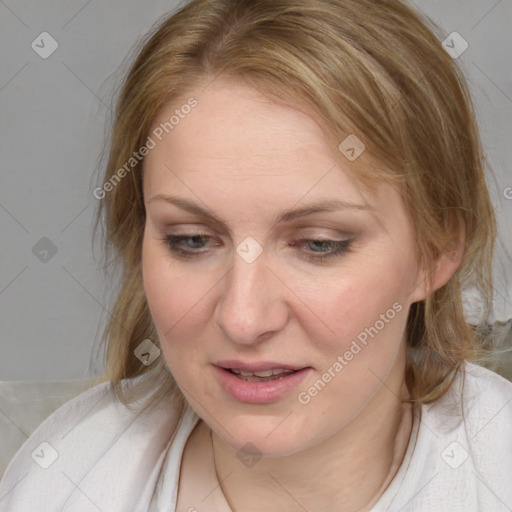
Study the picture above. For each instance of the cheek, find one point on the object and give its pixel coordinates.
(364, 305)
(174, 300)
(367, 312)
(174, 296)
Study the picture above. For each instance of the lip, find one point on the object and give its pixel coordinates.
(258, 392)
(258, 366)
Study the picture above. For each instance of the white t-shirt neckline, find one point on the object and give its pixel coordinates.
(166, 490)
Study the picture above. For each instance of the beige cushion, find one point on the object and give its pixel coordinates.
(24, 405)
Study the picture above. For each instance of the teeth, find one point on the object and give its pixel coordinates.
(264, 373)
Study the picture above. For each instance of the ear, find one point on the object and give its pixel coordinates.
(447, 263)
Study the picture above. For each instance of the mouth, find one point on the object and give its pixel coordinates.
(261, 376)
(260, 382)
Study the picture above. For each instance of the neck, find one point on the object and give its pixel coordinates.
(347, 472)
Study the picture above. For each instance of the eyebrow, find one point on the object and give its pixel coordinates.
(330, 205)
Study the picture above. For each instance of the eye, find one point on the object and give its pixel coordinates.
(329, 248)
(195, 243)
(172, 242)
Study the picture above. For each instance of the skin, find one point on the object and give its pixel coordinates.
(248, 159)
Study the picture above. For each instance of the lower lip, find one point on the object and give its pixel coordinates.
(259, 392)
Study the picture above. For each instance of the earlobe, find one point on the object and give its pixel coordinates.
(447, 264)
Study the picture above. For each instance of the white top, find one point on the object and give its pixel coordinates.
(94, 454)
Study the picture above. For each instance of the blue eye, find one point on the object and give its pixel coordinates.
(332, 248)
(194, 242)
(172, 242)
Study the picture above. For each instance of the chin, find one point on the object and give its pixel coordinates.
(262, 447)
(266, 437)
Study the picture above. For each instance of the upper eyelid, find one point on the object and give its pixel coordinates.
(297, 238)
(309, 230)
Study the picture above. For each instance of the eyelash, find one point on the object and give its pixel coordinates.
(171, 242)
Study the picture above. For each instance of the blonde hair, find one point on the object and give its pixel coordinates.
(373, 68)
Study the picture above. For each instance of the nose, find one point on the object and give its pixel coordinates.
(251, 304)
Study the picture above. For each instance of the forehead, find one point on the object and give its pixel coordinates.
(238, 141)
(235, 123)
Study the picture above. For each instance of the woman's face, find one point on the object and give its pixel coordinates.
(239, 284)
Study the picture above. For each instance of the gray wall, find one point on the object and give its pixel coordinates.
(53, 300)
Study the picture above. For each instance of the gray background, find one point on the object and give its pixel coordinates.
(52, 124)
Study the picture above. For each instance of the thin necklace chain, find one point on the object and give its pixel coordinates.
(216, 472)
(410, 411)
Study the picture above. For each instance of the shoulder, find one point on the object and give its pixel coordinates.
(91, 449)
(477, 411)
(487, 407)
(486, 400)
(462, 457)
(481, 377)
(476, 395)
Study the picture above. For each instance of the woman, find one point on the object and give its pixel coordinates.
(297, 195)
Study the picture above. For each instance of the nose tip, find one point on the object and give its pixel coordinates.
(250, 306)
